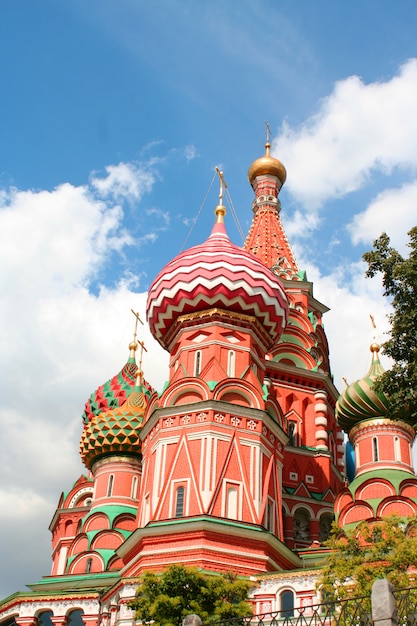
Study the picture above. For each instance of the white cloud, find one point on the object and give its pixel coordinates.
(125, 180)
(190, 152)
(58, 342)
(352, 298)
(394, 211)
(358, 128)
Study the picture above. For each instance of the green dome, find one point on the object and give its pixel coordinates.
(360, 401)
(115, 431)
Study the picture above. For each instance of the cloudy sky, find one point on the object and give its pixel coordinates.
(113, 116)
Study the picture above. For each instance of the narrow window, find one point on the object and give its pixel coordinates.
(231, 361)
(292, 430)
(375, 446)
(269, 516)
(357, 457)
(179, 502)
(197, 363)
(397, 449)
(110, 486)
(134, 487)
(287, 604)
(231, 506)
(88, 565)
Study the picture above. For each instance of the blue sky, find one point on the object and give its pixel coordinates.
(113, 116)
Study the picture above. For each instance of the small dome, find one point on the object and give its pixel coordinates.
(115, 431)
(359, 401)
(115, 391)
(216, 274)
(267, 165)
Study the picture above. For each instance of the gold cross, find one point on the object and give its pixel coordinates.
(136, 324)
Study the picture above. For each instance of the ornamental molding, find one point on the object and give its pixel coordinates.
(381, 424)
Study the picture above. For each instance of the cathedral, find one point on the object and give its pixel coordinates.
(245, 457)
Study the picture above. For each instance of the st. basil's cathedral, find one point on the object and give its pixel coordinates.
(240, 462)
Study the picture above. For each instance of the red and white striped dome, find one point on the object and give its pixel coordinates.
(216, 274)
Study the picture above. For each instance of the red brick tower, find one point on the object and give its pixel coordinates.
(298, 369)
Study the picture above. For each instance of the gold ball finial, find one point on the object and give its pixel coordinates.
(375, 347)
(220, 212)
(267, 165)
(133, 346)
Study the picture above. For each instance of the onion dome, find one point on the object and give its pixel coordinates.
(267, 165)
(115, 391)
(216, 274)
(115, 431)
(359, 401)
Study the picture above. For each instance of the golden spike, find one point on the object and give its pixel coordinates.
(142, 348)
(372, 321)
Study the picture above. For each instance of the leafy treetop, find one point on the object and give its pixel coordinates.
(380, 549)
(166, 598)
(399, 278)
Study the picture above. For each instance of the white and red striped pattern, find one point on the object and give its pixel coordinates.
(216, 274)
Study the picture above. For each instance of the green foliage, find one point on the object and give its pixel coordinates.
(166, 598)
(383, 549)
(399, 277)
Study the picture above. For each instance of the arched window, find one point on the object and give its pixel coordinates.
(292, 433)
(75, 618)
(231, 361)
(231, 504)
(110, 485)
(44, 618)
(325, 526)
(134, 488)
(179, 502)
(269, 516)
(287, 603)
(301, 525)
(397, 449)
(197, 363)
(357, 456)
(375, 448)
(88, 565)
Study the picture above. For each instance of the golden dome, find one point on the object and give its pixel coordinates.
(267, 165)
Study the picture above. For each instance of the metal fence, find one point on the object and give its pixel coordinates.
(351, 612)
(406, 606)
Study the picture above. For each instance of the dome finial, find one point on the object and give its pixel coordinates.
(267, 165)
(139, 373)
(375, 347)
(133, 346)
(220, 210)
(268, 140)
(268, 133)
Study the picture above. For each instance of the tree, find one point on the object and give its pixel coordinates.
(382, 549)
(166, 598)
(399, 277)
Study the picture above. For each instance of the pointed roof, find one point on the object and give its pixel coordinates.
(266, 238)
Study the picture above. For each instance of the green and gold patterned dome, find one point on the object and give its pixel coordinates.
(115, 431)
(359, 401)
